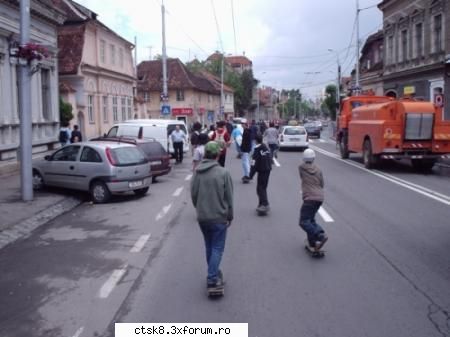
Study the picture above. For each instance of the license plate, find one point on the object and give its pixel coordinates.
(137, 183)
(295, 139)
(155, 162)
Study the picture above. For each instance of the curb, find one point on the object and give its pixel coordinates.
(24, 228)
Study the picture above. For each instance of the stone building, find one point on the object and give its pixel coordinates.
(44, 79)
(415, 43)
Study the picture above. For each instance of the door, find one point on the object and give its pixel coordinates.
(61, 169)
(91, 164)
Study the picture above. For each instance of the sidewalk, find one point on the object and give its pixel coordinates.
(18, 218)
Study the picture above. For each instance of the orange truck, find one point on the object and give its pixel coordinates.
(382, 128)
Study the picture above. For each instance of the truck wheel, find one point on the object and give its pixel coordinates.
(370, 160)
(343, 147)
(423, 165)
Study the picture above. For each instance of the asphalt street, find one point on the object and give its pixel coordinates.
(386, 270)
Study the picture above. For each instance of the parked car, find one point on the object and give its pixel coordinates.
(158, 157)
(98, 167)
(293, 137)
(312, 129)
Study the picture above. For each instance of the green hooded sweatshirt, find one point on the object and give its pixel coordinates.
(212, 193)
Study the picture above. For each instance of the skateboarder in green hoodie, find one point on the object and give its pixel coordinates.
(212, 197)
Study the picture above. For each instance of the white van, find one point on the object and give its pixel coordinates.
(159, 129)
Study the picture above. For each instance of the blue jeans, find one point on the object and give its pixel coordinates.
(308, 221)
(214, 235)
(245, 159)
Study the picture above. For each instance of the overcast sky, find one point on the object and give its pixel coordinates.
(287, 40)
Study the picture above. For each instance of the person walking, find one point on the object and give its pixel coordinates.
(199, 151)
(313, 196)
(76, 135)
(222, 137)
(261, 164)
(64, 134)
(196, 130)
(271, 136)
(178, 138)
(246, 149)
(236, 135)
(212, 197)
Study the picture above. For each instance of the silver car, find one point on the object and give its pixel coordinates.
(101, 168)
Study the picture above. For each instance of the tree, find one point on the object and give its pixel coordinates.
(330, 100)
(65, 112)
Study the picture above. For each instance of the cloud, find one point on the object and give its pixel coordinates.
(286, 39)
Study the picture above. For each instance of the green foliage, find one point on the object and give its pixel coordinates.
(65, 112)
(330, 100)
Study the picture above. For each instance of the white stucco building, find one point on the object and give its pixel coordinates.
(44, 82)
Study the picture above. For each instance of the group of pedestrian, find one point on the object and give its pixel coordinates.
(68, 136)
(212, 189)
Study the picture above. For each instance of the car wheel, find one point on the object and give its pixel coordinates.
(142, 191)
(370, 161)
(38, 181)
(99, 192)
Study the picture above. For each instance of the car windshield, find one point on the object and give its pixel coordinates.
(126, 156)
(124, 130)
(294, 131)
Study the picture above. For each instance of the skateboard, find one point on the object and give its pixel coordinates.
(245, 181)
(261, 213)
(314, 253)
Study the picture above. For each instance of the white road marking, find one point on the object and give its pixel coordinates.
(189, 176)
(325, 216)
(178, 192)
(445, 199)
(109, 285)
(79, 332)
(322, 140)
(140, 243)
(163, 212)
(277, 164)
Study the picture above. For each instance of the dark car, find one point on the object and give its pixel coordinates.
(312, 129)
(158, 157)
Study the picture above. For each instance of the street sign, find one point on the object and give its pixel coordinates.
(165, 110)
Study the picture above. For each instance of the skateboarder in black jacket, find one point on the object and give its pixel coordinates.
(261, 164)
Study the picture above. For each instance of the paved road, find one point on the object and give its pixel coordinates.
(386, 272)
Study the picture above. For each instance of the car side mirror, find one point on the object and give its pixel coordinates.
(47, 157)
(105, 135)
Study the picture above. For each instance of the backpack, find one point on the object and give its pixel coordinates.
(63, 136)
(220, 138)
(194, 138)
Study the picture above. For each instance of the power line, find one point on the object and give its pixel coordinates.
(234, 28)
(217, 25)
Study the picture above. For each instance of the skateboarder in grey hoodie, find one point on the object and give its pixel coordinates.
(212, 197)
(313, 196)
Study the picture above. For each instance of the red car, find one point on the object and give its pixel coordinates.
(158, 157)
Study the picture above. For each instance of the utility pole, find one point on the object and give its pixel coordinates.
(222, 107)
(357, 47)
(164, 55)
(26, 143)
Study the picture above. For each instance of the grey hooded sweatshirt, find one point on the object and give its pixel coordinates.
(212, 193)
(312, 182)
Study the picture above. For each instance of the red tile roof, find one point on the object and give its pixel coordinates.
(216, 81)
(241, 60)
(70, 45)
(178, 77)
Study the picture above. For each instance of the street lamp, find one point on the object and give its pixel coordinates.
(338, 89)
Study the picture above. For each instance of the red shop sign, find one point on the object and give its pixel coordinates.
(182, 111)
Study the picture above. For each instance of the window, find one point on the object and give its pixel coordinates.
(146, 96)
(91, 108)
(419, 40)
(90, 155)
(438, 33)
(113, 54)
(180, 95)
(124, 108)
(45, 86)
(67, 153)
(129, 107)
(404, 45)
(368, 64)
(390, 50)
(115, 111)
(121, 58)
(105, 109)
(102, 51)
